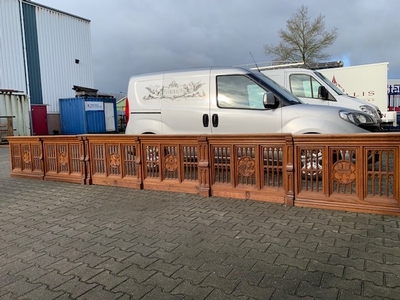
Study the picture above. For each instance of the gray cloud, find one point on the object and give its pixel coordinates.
(131, 37)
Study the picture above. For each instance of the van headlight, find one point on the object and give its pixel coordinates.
(370, 110)
(358, 118)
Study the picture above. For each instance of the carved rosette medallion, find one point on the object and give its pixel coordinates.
(246, 166)
(26, 157)
(63, 158)
(171, 163)
(115, 160)
(344, 172)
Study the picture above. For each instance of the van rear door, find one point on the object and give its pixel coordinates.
(185, 104)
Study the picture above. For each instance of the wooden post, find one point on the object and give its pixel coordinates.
(85, 160)
(203, 158)
(139, 162)
(289, 186)
(9, 126)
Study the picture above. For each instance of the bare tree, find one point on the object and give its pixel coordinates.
(303, 40)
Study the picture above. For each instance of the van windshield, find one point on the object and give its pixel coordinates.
(330, 84)
(287, 97)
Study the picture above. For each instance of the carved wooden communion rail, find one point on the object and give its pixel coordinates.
(342, 172)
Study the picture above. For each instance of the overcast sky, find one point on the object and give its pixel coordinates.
(139, 36)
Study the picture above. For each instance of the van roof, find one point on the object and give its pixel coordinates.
(222, 70)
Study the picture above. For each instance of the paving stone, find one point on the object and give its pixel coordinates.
(158, 294)
(227, 285)
(136, 273)
(318, 256)
(108, 280)
(245, 289)
(84, 272)
(313, 278)
(53, 279)
(217, 294)
(276, 270)
(336, 270)
(371, 290)
(279, 295)
(166, 268)
(392, 280)
(113, 266)
(289, 286)
(15, 266)
(41, 293)
(252, 277)
(92, 259)
(306, 289)
(133, 289)
(63, 265)
(300, 263)
(352, 286)
(97, 249)
(356, 263)
(375, 277)
(220, 270)
(190, 262)
(139, 260)
(99, 293)
(344, 252)
(27, 255)
(291, 252)
(190, 290)
(20, 287)
(117, 254)
(274, 239)
(250, 244)
(142, 249)
(75, 287)
(166, 283)
(356, 254)
(164, 255)
(6, 279)
(386, 268)
(32, 273)
(259, 255)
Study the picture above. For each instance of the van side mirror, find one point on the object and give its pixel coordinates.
(323, 93)
(269, 100)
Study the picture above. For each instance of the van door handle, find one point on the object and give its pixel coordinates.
(215, 120)
(205, 120)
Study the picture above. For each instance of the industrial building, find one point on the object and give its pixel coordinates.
(44, 52)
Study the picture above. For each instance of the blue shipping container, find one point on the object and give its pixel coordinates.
(82, 115)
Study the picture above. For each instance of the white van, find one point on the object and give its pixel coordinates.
(229, 100)
(314, 88)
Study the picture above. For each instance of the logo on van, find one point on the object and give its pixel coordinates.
(175, 91)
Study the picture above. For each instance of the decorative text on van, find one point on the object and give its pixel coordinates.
(175, 91)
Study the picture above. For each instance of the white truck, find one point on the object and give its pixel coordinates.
(362, 87)
(367, 82)
(229, 100)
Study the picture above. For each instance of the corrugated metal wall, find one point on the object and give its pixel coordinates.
(12, 66)
(16, 106)
(54, 40)
(32, 54)
(62, 39)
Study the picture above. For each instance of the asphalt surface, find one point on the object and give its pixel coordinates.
(69, 241)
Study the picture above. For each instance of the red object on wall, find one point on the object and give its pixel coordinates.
(39, 119)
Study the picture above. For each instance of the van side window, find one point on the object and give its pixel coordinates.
(236, 91)
(304, 86)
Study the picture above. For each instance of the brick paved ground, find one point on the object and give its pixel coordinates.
(68, 241)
